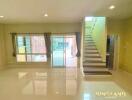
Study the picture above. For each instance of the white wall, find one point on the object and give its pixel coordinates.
(35, 28)
(114, 26)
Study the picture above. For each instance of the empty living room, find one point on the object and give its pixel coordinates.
(65, 49)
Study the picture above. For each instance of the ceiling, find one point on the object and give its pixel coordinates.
(61, 11)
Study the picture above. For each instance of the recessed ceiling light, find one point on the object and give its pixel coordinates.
(1, 16)
(46, 15)
(111, 7)
(57, 92)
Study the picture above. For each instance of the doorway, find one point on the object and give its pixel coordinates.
(64, 51)
(112, 57)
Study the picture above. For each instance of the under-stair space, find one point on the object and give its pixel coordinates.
(92, 61)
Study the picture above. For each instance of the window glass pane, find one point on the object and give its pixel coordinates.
(28, 45)
(39, 58)
(71, 51)
(38, 44)
(31, 48)
(21, 58)
(20, 43)
(29, 58)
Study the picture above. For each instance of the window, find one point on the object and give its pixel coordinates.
(31, 48)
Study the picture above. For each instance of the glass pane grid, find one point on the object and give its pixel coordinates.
(31, 48)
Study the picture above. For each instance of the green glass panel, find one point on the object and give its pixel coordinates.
(58, 51)
(20, 43)
(28, 44)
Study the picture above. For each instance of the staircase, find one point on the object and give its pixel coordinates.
(92, 61)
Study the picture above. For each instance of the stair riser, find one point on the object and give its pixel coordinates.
(92, 56)
(91, 61)
(92, 51)
(95, 69)
(94, 64)
(99, 66)
(97, 73)
(97, 54)
(89, 41)
(90, 47)
(88, 44)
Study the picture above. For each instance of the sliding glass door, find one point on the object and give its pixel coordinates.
(63, 50)
(58, 51)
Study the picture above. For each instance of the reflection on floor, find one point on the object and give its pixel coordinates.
(66, 62)
(104, 90)
(61, 84)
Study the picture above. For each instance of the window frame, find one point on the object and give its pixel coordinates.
(26, 54)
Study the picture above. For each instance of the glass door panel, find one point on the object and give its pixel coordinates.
(71, 51)
(57, 51)
(64, 50)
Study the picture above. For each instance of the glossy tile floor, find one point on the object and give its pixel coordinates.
(62, 84)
